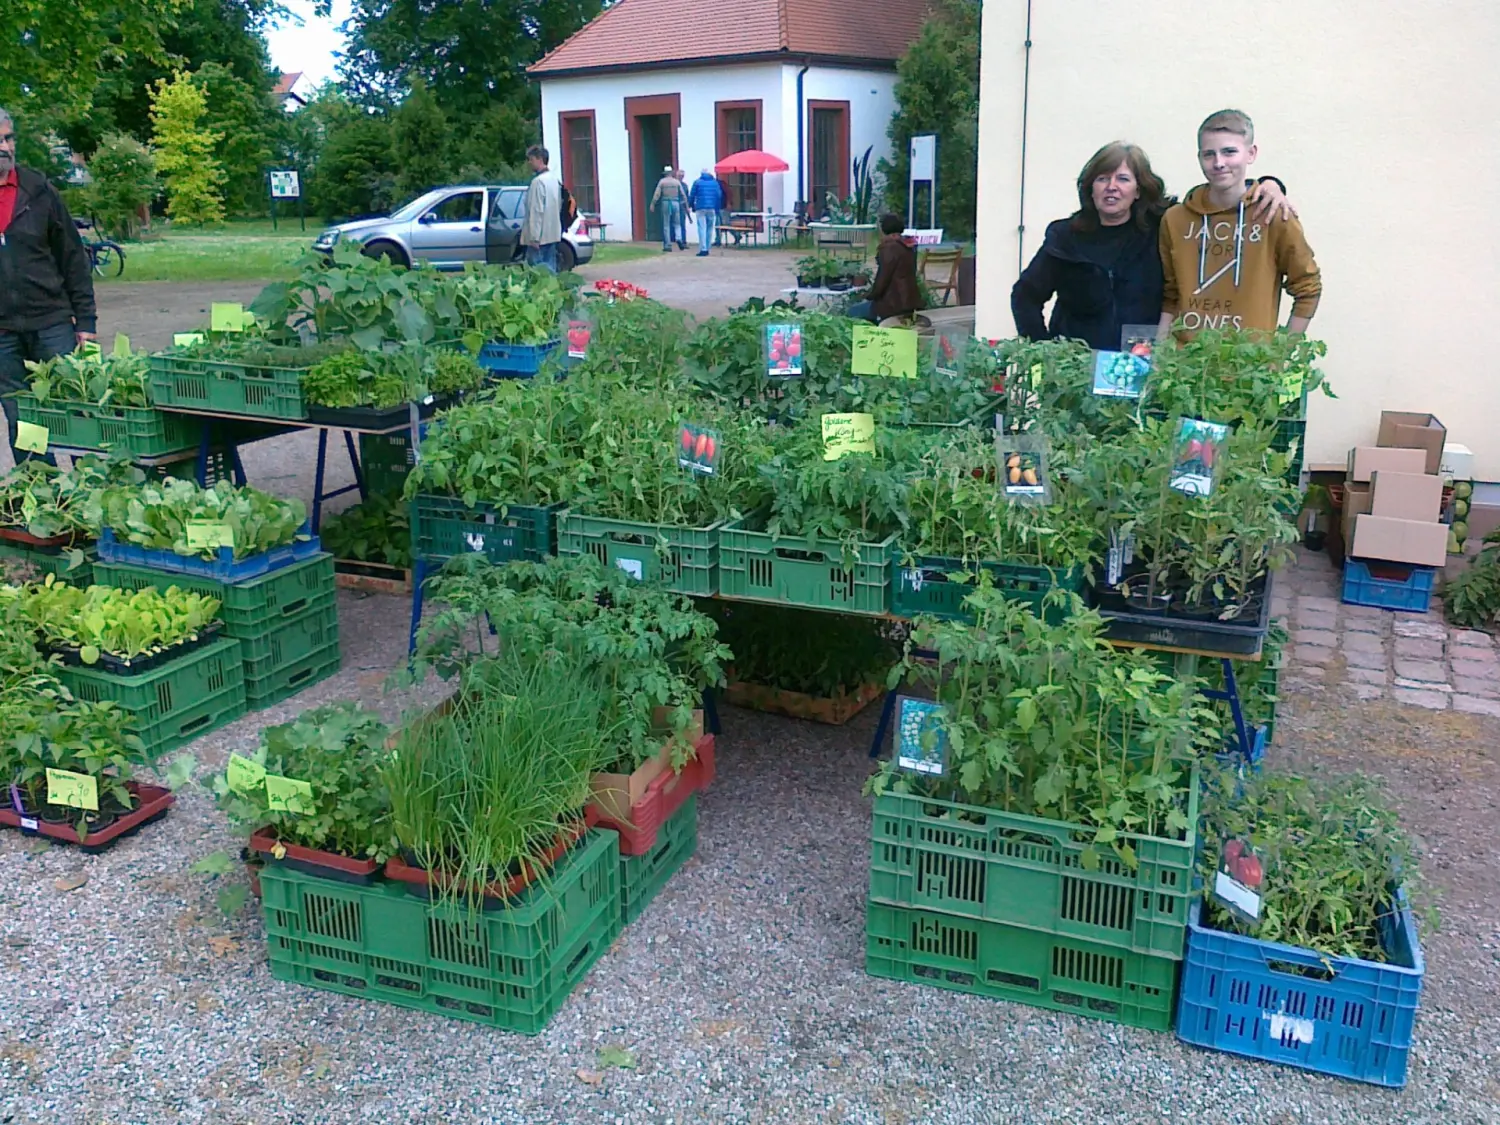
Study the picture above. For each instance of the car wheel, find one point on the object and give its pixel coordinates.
(566, 259)
(387, 252)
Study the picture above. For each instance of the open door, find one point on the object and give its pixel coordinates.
(502, 233)
(652, 123)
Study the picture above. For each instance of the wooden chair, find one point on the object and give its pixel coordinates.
(946, 261)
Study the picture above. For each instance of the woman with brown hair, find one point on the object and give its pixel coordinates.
(1102, 262)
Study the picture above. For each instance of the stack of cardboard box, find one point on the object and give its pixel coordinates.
(1393, 494)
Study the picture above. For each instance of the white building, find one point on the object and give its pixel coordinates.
(293, 90)
(652, 83)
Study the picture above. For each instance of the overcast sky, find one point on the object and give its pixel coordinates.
(308, 46)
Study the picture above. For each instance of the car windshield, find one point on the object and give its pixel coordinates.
(416, 206)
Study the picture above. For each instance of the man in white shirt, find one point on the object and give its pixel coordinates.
(541, 230)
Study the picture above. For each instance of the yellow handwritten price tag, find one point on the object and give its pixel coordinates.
(31, 438)
(186, 339)
(885, 351)
(122, 344)
(206, 535)
(226, 316)
(244, 775)
(287, 794)
(75, 790)
(847, 433)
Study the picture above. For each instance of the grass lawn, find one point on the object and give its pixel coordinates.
(251, 251)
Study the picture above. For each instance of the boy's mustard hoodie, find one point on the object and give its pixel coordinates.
(1224, 270)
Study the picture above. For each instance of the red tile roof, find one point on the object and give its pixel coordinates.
(662, 33)
(285, 83)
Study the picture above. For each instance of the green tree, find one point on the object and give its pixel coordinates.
(419, 133)
(937, 91)
(124, 181)
(301, 137)
(185, 151)
(245, 118)
(356, 172)
(493, 147)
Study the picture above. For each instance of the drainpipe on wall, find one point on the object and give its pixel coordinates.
(1025, 111)
(801, 138)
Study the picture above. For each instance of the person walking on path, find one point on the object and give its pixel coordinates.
(541, 231)
(669, 197)
(684, 212)
(706, 199)
(46, 288)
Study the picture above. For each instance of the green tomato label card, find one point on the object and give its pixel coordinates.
(75, 790)
(287, 794)
(921, 740)
(226, 316)
(847, 433)
(207, 535)
(243, 775)
(31, 438)
(885, 351)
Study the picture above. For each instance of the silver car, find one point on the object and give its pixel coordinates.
(453, 225)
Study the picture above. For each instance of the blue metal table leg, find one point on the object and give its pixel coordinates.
(710, 711)
(418, 579)
(887, 709)
(359, 474)
(1241, 732)
(317, 512)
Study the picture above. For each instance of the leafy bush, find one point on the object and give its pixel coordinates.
(155, 516)
(44, 500)
(376, 530)
(1472, 597)
(773, 646)
(123, 623)
(124, 181)
(109, 380)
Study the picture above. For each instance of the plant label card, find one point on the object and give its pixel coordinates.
(948, 348)
(1138, 340)
(921, 741)
(1022, 462)
(75, 790)
(847, 433)
(31, 438)
(633, 567)
(226, 316)
(885, 351)
(186, 339)
(698, 448)
(206, 535)
(91, 350)
(244, 775)
(1239, 880)
(287, 794)
(1114, 565)
(122, 345)
(783, 350)
(1120, 375)
(579, 332)
(1194, 455)
(1023, 474)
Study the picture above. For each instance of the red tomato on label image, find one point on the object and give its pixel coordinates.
(794, 348)
(708, 452)
(702, 446)
(687, 440)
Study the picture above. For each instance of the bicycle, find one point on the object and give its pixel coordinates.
(106, 258)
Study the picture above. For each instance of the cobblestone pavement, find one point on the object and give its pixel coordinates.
(1367, 654)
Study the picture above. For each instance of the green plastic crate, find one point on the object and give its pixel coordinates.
(920, 585)
(141, 431)
(175, 703)
(441, 527)
(1028, 871)
(1004, 962)
(643, 876)
(59, 564)
(295, 639)
(252, 610)
(228, 388)
(510, 968)
(384, 460)
(793, 571)
(684, 559)
(289, 679)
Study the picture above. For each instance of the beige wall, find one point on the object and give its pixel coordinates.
(1383, 118)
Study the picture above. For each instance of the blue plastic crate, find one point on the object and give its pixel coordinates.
(1388, 585)
(520, 360)
(221, 569)
(1283, 1004)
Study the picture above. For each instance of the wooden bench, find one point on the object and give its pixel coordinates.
(740, 228)
(595, 228)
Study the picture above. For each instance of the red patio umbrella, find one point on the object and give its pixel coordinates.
(752, 162)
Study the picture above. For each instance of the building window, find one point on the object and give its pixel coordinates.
(580, 159)
(739, 130)
(828, 127)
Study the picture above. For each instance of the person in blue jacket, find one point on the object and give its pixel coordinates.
(1103, 262)
(706, 200)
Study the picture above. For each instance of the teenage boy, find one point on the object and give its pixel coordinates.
(1223, 269)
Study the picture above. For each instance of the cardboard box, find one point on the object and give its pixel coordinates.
(1402, 430)
(1483, 519)
(1406, 496)
(1357, 499)
(616, 793)
(1400, 541)
(1365, 459)
(1457, 463)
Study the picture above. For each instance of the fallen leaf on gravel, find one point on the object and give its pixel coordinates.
(613, 1055)
(39, 846)
(223, 946)
(592, 1077)
(215, 863)
(70, 883)
(232, 898)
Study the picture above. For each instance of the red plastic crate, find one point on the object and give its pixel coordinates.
(668, 793)
(153, 803)
(398, 869)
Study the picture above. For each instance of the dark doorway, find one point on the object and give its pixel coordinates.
(652, 123)
(656, 154)
(828, 131)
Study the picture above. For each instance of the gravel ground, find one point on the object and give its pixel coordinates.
(131, 1000)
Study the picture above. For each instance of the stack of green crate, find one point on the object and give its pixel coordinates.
(73, 569)
(510, 966)
(286, 621)
(384, 459)
(643, 876)
(1008, 906)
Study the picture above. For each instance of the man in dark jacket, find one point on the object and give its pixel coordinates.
(895, 291)
(46, 289)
